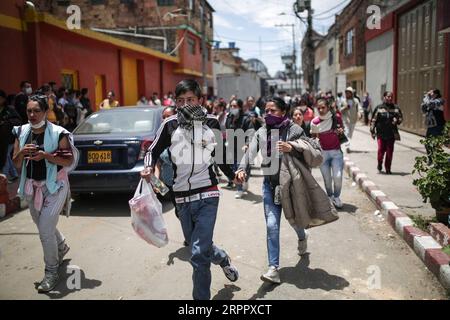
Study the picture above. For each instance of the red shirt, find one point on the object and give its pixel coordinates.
(329, 140)
(308, 115)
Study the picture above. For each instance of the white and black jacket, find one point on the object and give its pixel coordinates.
(192, 155)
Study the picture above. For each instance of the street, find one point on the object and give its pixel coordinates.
(357, 257)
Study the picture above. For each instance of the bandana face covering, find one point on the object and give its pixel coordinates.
(272, 120)
(187, 115)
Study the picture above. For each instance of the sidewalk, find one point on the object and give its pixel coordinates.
(398, 186)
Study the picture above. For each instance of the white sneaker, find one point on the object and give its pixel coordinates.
(272, 275)
(245, 186)
(303, 244)
(337, 203)
(332, 199)
(239, 194)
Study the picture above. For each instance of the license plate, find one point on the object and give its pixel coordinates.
(103, 156)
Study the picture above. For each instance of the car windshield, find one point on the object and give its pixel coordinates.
(131, 121)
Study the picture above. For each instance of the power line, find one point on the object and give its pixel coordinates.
(255, 41)
(331, 9)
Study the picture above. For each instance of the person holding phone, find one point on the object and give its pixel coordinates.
(45, 153)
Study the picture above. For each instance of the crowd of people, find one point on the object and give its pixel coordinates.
(292, 134)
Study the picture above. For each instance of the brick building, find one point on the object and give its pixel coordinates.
(351, 24)
(39, 46)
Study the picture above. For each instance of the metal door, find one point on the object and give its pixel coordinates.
(421, 63)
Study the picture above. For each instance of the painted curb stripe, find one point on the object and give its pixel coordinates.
(423, 243)
(444, 276)
(400, 223)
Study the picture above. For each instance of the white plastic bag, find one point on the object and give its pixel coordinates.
(146, 216)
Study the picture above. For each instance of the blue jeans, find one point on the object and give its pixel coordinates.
(8, 169)
(272, 214)
(197, 221)
(331, 169)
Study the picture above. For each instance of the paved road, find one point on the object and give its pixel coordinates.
(397, 186)
(116, 264)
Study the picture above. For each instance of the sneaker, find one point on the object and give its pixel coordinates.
(272, 275)
(379, 167)
(337, 203)
(239, 194)
(303, 244)
(245, 186)
(230, 271)
(49, 282)
(62, 253)
(185, 243)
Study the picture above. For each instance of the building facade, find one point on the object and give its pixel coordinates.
(409, 55)
(235, 76)
(40, 48)
(351, 25)
(326, 62)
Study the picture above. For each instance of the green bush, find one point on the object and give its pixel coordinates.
(434, 179)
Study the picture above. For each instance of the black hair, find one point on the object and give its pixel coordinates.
(3, 94)
(261, 103)
(437, 92)
(186, 86)
(41, 100)
(278, 102)
(84, 91)
(23, 83)
(325, 101)
(297, 109)
(386, 93)
(45, 88)
(222, 104)
(112, 93)
(239, 102)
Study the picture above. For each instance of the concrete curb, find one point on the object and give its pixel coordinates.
(423, 244)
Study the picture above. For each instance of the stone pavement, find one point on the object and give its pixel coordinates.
(398, 186)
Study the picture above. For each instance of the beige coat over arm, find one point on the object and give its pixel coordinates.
(304, 202)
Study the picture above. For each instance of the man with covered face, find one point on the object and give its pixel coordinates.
(191, 144)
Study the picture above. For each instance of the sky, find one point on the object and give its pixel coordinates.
(251, 25)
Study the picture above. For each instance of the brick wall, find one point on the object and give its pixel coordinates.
(354, 16)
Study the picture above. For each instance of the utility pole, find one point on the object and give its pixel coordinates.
(204, 55)
(294, 56)
(299, 7)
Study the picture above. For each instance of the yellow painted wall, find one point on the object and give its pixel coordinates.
(99, 95)
(130, 81)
